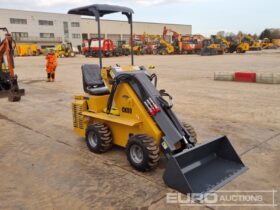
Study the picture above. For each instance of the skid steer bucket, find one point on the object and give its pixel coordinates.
(203, 168)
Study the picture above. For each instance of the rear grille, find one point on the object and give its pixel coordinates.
(77, 116)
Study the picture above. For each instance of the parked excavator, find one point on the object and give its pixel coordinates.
(8, 79)
(214, 46)
(122, 106)
(164, 48)
(177, 41)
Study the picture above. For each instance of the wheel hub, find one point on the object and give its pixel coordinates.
(136, 153)
(92, 138)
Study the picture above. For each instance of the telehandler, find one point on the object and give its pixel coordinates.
(8, 79)
(123, 107)
(64, 50)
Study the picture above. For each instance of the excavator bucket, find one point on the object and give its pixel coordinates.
(15, 95)
(203, 168)
(9, 88)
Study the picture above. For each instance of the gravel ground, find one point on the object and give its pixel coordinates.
(44, 165)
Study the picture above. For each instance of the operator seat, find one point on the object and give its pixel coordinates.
(92, 81)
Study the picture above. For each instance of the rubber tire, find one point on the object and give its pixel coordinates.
(104, 137)
(154, 52)
(191, 131)
(150, 152)
(164, 52)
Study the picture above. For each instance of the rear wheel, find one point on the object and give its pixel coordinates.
(99, 138)
(154, 52)
(142, 152)
(163, 52)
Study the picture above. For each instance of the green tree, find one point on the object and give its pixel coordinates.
(265, 34)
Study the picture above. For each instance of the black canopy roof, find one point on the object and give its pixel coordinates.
(101, 10)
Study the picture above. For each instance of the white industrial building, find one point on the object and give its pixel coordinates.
(48, 29)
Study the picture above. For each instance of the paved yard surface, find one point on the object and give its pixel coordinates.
(44, 165)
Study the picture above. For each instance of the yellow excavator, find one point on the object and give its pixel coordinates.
(122, 106)
(165, 47)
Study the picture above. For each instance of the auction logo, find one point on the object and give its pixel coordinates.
(249, 198)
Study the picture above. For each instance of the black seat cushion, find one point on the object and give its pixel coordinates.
(92, 80)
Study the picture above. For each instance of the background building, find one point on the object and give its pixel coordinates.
(48, 29)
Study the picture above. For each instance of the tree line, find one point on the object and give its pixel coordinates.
(269, 33)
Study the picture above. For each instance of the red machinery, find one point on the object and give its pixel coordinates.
(8, 79)
(90, 47)
(175, 35)
(184, 44)
(191, 45)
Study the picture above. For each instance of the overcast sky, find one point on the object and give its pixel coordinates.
(206, 16)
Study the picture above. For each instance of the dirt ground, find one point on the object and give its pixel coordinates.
(45, 165)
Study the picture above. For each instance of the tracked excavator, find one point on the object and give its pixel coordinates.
(8, 79)
(122, 106)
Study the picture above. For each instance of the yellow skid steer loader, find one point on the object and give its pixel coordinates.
(123, 107)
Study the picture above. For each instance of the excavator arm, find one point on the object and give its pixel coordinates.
(175, 35)
(8, 79)
(6, 47)
(169, 47)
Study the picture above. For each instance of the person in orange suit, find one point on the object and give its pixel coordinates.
(51, 65)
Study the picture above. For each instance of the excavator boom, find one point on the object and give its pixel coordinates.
(8, 79)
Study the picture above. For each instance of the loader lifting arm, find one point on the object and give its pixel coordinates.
(191, 168)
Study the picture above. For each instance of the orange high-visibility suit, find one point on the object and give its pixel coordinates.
(51, 66)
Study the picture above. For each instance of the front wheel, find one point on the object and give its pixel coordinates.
(142, 152)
